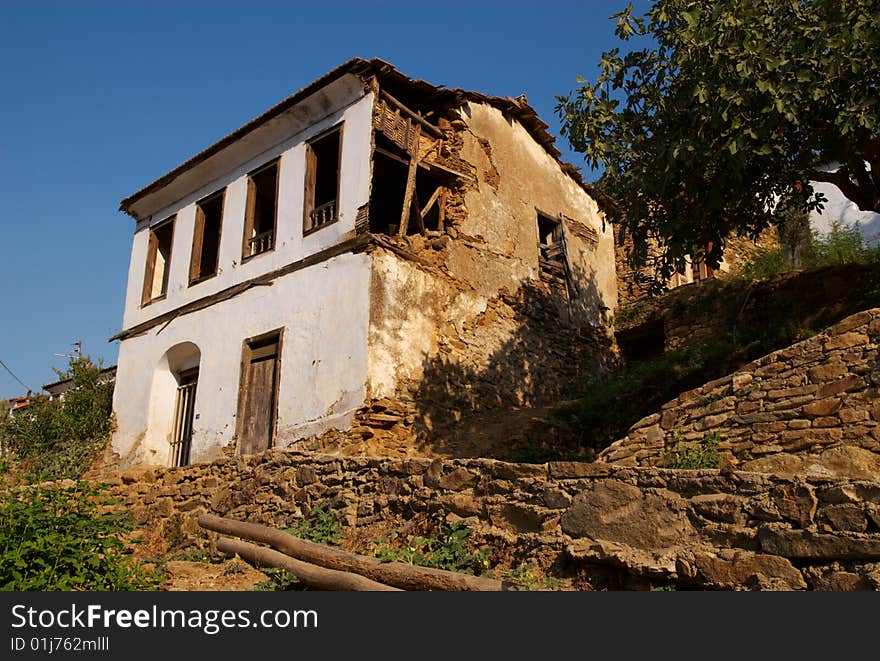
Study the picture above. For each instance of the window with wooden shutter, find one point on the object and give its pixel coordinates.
(206, 238)
(158, 264)
(323, 161)
(261, 211)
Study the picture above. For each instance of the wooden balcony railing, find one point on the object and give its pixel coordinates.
(322, 215)
(261, 243)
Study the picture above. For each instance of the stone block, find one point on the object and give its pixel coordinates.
(823, 407)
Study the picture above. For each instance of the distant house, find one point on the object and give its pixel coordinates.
(58, 388)
(366, 239)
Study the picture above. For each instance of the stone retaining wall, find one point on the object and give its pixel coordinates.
(811, 408)
(603, 526)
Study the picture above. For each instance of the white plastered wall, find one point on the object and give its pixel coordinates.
(324, 313)
(323, 309)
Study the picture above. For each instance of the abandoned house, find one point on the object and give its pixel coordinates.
(373, 252)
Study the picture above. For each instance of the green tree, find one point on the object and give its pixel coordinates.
(60, 438)
(721, 109)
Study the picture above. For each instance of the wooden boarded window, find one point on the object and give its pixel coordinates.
(261, 211)
(323, 159)
(206, 238)
(258, 393)
(158, 261)
(551, 245)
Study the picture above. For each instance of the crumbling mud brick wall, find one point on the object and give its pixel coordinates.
(603, 526)
(467, 320)
(812, 408)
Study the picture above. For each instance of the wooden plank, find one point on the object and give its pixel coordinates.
(410, 184)
(150, 269)
(448, 170)
(431, 201)
(249, 213)
(309, 200)
(392, 156)
(442, 220)
(195, 261)
(429, 128)
(420, 218)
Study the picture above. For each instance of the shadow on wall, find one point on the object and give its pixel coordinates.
(467, 408)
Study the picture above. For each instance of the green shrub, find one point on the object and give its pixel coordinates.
(840, 245)
(525, 580)
(322, 526)
(54, 538)
(60, 438)
(692, 456)
(279, 580)
(446, 548)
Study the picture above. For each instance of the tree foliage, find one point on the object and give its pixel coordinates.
(724, 107)
(59, 438)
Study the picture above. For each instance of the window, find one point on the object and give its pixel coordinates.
(158, 261)
(206, 238)
(184, 409)
(551, 245)
(322, 180)
(261, 211)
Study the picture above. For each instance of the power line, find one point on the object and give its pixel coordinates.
(15, 377)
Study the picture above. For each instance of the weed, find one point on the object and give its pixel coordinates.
(691, 456)
(234, 567)
(322, 526)
(57, 538)
(193, 554)
(446, 548)
(840, 245)
(279, 580)
(523, 577)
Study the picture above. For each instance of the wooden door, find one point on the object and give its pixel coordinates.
(258, 395)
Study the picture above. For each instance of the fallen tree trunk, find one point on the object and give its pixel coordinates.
(398, 574)
(311, 575)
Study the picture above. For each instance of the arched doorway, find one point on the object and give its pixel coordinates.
(174, 400)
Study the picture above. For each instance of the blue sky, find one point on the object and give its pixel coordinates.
(101, 98)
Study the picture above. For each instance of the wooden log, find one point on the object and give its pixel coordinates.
(311, 575)
(398, 574)
(410, 184)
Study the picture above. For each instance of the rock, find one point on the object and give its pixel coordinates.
(566, 470)
(518, 518)
(795, 502)
(305, 475)
(841, 385)
(823, 407)
(720, 507)
(619, 512)
(744, 568)
(555, 498)
(845, 517)
(654, 564)
(807, 545)
(845, 340)
(507, 471)
(459, 479)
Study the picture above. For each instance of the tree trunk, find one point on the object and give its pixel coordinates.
(311, 575)
(398, 574)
